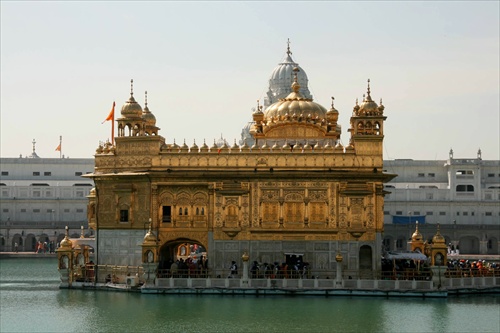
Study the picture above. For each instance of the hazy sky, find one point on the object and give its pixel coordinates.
(204, 65)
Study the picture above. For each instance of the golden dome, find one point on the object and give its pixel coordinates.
(131, 109)
(438, 238)
(66, 243)
(368, 107)
(296, 104)
(417, 236)
(194, 148)
(333, 114)
(148, 117)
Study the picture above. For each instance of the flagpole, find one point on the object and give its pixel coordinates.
(113, 126)
(60, 145)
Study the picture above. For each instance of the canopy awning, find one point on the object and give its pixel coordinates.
(405, 255)
(83, 241)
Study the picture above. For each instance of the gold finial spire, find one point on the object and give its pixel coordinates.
(381, 101)
(131, 87)
(368, 97)
(356, 101)
(288, 47)
(146, 98)
(295, 84)
(34, 143)
(333, 98)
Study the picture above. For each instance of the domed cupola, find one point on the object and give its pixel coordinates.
(332, 116)
(367, 118)
(438, 238)
(417, 236)
(368, 107)
(148, 117)
(295, 103)
(131, 109)
(281, 78)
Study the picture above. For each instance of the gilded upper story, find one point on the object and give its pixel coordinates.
(294, 132)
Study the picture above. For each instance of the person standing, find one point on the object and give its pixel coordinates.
(234, 269)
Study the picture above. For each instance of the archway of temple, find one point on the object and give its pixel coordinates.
(182, 257)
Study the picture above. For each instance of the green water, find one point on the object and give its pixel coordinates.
(30, 301)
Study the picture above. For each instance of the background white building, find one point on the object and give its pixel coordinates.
(39, 197)
(461, 194)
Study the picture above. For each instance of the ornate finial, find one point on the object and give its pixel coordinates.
(67, 231)
(288, 47)
(295, 84)
(258, 106)
(131, 87)
(451, 153)
(368, 91)
(34, 143)
(81, 233)
(479, 153)
(146, 99)
(364, 97)
(333, 98)
(381, 101)
(356, 101)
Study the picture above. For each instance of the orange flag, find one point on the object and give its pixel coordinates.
(111, 115)
(58, 148)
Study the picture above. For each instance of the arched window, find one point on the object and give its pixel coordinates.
(185, 211)
(180, 211)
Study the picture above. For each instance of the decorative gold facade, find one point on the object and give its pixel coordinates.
(297, 189)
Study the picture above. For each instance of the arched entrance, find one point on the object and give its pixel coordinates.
(469, 245)
(365, 262)
(183, 258)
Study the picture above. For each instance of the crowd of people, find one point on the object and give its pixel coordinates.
(193, 267)
(469, 268)
(292, 270)
(45, 247)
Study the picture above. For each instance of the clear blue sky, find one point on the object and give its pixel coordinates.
(204, 65)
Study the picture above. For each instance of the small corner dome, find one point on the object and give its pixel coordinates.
(148, 117)
(438, 238)
(66, 243)
(368, 105)
(131, 109)
(417, 236)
